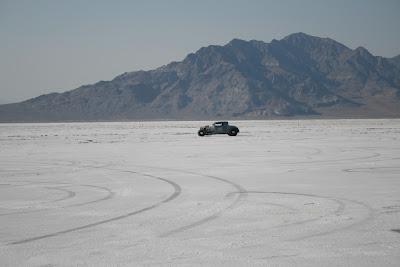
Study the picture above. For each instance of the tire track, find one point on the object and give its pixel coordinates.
(279, 205)
(370, 216)
(374, 155)
(371, 169)
(339, 210)
(70, 194)
(211, 217)
(172, 196)
(110, 195)
(68, 163)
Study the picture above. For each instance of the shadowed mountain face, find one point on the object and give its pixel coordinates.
(300, 75)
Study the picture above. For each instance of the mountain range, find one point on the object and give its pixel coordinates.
(299, 75)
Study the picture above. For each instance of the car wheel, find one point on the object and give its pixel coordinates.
(232, 133)
(201, 133)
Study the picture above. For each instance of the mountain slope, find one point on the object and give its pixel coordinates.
(298, 75)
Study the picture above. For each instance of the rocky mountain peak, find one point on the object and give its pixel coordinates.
(299, 75)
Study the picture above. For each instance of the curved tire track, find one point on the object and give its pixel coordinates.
(338, 212)
(70, 194)
(370, 216)
(110, 195)
(374, 155)
(175, 194)
(213, 216)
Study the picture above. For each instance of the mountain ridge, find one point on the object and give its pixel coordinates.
(299, 75)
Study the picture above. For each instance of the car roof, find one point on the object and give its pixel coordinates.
(221, 122)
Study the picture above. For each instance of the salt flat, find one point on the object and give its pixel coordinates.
(310, 193)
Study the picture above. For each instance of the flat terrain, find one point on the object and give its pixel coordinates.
(311, 193)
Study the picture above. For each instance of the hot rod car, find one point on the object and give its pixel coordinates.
(219, 127)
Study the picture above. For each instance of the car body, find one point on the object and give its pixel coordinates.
(219, 127)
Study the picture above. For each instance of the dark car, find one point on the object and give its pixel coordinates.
(219, 127)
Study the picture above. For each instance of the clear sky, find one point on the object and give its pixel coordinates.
(54, 46)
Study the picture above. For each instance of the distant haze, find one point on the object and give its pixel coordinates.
(53, 46)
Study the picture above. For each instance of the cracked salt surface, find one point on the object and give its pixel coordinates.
(311, 193)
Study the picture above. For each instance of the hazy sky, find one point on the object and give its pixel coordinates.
(48, 46)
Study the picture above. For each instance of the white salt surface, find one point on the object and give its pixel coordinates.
(308, 193)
